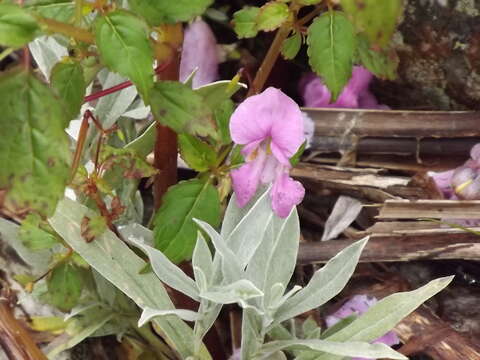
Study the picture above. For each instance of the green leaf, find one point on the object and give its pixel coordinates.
(309, 2)
(149, 313)
(68, 81)
(324, 284)
(17, 26)
(331, 49)
(33, 234)
(115, 261)
(376, 18)
(350, 349)
(180, 108)
(60, 10)
(291, 46)
(272, 15)
(65, 285)
(295, 159)
(382, 63)
(175, 232)
(197, 154)
(222, 115)
(167, 11)
(244, 22)
(34, 151)
(122, 40)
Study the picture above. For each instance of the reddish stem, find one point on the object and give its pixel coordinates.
(122, 85)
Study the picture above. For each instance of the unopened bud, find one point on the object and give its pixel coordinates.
(466, 183)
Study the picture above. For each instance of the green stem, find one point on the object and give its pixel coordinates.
(67, 30)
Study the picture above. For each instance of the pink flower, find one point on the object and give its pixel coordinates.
(355, 95)
(199, 51)
(270, 128)
(358, 305)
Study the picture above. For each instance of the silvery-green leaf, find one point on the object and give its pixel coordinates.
(310, 329)
(143, 144)
(115, 261)
(202, 262)
(38, 260)
(138, 110)
(109, 108)
(136, 232)
(385, 314)
(344, 212)
(324, 284)
(168, 272)
(105, 290)
(237, 292)
(252, 339)
(352, 348)
(231, 268)
(47, 52)
(83, 333)
(149, 313)
(208, 314)
(275, 260)
(234, 214)
(276, 303)
(247, 235)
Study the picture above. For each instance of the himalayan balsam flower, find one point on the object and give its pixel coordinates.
(355, 94)
(199, 51)
(270, 128)
(358, 305)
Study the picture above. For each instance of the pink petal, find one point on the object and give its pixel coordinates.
(270, 170)
(285, 194)
(269, 114)
(199, 50)
(314, 93)
(475, 152)
(245, 180)
(443, 180)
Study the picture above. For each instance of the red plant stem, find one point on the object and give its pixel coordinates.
(121, 86)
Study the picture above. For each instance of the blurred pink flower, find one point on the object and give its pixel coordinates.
(270, 128)
(199, 51)
(355, 94)
(358, 305)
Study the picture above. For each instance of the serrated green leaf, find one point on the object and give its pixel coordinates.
(122, 41)
(382, 63)
(34, 151)
(175, 232)
(180, 108)
(197, 154)
(17, 26)
(33, 236)
(291, 46)
(68, 81)
(167, 11)
(65, 285)
(331, 49)
(272, 15)
(376, 18)
(244, 22)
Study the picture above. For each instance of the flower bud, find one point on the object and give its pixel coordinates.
(466, 183)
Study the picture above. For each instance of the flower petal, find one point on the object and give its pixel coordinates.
(199, 51)
(285, 194)
(245, 180)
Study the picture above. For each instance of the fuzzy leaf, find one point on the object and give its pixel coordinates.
(175, 232)
(149, 313)
(236, 292)
(17, 26)
(177, 106)
(68, 81)
(159, 12)
(122, 40)
(34, 151)
(324, 284)
(376, 18)
(272, 15)
(244, 22)
(291, 46)
(331, 49)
